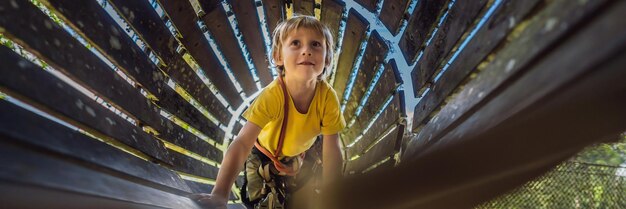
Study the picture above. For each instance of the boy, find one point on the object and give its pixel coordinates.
(285, 119)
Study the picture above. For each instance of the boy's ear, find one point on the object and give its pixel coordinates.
(277, 59)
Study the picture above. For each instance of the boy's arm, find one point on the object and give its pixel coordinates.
(332, 161)
(235, 156)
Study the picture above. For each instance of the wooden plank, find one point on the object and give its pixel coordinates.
(478, 48)
(152, 30)
(331, 15)
(60, 174)
(389, 81)
(80, 64)
(571, 98)
(370, 5)
(354, 36)
(76, 58)
(42, 84)
(217, 23)
(250, 28)
(25, 127)
(422, 22)
(384, 89)
(14, 195)
(384, 148)
(390, 116)
(72, 104)
(393, 13)
(374, 56)
(198, 187)
(500, 70)
(184, 19)
(460, 17)
(274, 13)
(304, 7)
(186, 164)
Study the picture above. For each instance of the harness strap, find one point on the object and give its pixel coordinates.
(284, 169)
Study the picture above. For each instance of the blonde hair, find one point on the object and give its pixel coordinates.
(296, 22)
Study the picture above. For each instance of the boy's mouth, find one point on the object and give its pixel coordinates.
(306, 63)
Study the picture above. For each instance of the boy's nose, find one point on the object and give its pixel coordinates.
(306, 53)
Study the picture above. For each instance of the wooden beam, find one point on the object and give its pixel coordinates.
(304, 7)
(518, 50)
(218, 24)
(393, 13)
(331, 15)
(370, 5)
(354, 36)
(20, 126)
(184, 19)
(147, 24)
(274, 13)
(64, 178)
(390, 116)
(250, 28)
(461, 16)
(378, 152)
(373, 58)
(421, 24)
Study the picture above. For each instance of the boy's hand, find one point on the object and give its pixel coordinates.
(209, 201)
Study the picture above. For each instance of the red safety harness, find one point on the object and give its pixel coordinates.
(280, 166)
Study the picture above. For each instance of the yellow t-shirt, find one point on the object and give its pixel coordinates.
(324, 116)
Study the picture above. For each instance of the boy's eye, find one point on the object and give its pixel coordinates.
(317, 44)
(295, 42)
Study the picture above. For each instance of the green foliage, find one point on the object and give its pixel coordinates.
(43, 8)
(595, 178)
(6, 42)
(613, 154)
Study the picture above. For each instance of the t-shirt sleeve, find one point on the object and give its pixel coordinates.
(332, 119)
(262, 110)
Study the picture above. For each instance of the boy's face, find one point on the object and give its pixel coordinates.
(303, 54)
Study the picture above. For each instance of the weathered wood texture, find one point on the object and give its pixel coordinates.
(393, 13)
(460, 17)
(69, 103)
(471, 54)
(21, 126)
(373, 58)
(217, 23)
(304, 7)
(547, 109)
(64, 177)
(422, 22)
(250, 28)
(82, 65)
(331, 15)
(184, 19)
(384, 89)
(353, 37)
(152, 30)
(370, 5)
(390, 115)
(375, 153)
(85, 68)
(16, 195)
(274, 13)
(197, 187)
(189, 165)
(101, 30)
